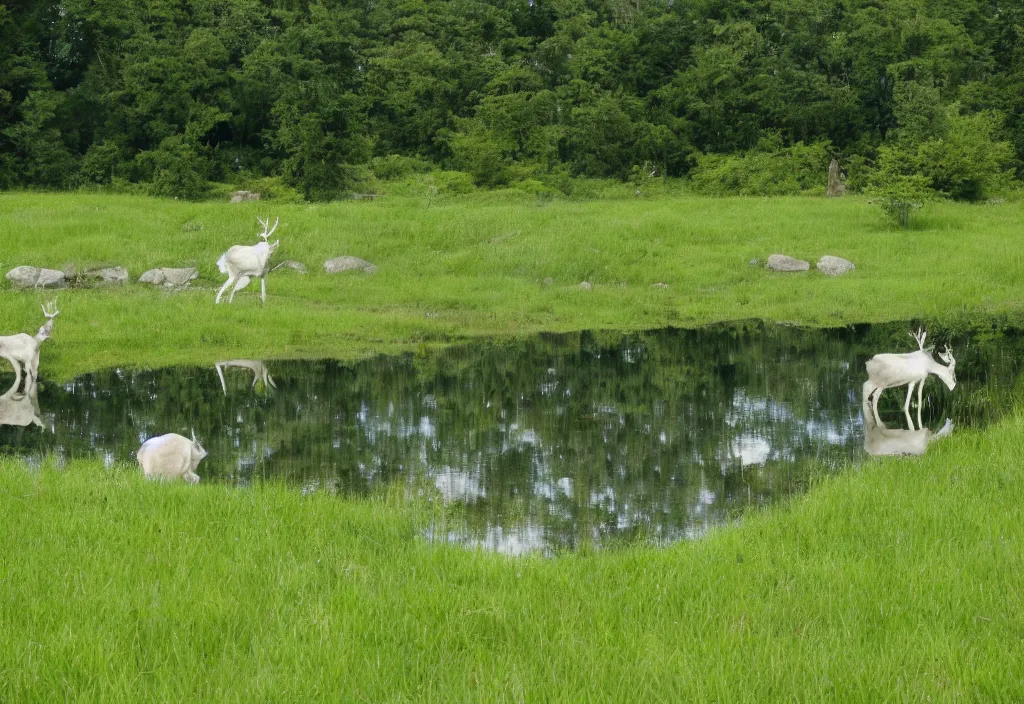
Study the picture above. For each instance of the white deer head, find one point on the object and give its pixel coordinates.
(947, 357)
(49, 312)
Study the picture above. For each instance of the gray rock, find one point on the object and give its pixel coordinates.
(340, 264)
(585, 285)
(834, 266)
(239, 196)
(114, 275)
(172, 277)
(549, 281)
(34, 277)
(659, 285)
(780, 262)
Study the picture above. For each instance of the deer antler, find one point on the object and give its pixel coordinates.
(50, 309)
(266, 226)
(919, 337)
(947, 355)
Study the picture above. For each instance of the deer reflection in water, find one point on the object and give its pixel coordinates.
(881, 440)
(259, 372)
(21, 408)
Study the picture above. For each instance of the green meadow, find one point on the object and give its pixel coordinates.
(470, 266)
(895, 580)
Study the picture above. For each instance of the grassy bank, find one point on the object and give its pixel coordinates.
(477, 266)
(899, 580)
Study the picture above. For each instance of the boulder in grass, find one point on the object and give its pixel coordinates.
(780, 262)
(34, 277)
(585, 286)
(241, 196)
(834, 266)
(110, 276)
(169, 277)
(341, 264)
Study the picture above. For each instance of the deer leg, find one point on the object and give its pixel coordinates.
(906, 404)
(32, 372)
(231, 280)
(263, 286)
(874, 406)
(17, 370)
(240, 284)
(920, 388)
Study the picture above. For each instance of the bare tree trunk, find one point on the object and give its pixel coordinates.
(836, 187)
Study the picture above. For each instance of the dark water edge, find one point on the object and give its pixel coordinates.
(547, 442)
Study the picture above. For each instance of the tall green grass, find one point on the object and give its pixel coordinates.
(896, 581)
(455, 268)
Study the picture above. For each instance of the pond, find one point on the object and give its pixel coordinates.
(542, 443)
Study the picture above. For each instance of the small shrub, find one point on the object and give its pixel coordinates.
(900, 194)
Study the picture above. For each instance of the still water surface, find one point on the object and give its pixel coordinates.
(541, 443)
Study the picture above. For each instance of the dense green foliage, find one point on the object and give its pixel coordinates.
(164, 96)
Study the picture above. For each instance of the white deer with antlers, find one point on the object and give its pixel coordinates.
(243, 262)
(886, 371)
(22, 350)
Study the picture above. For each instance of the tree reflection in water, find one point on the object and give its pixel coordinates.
(544, 442)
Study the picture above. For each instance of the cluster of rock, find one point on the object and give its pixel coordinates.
(828, 265)
(165, 276)
(240, 196)
(36, 277)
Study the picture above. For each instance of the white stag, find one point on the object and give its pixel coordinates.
(22, 350)
(171, 456)
(243, 262)
(259, 372)
(886, 371)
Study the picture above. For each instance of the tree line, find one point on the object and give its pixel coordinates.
(737, 95)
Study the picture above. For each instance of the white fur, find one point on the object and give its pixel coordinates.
(171, 456)
(20, 409)
(886, 371)
(22, 350)
(880, 440)
(242, 263)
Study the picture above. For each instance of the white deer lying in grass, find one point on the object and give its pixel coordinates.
(171, 456)
(886, 371)
(242, 262)
(22, 350)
